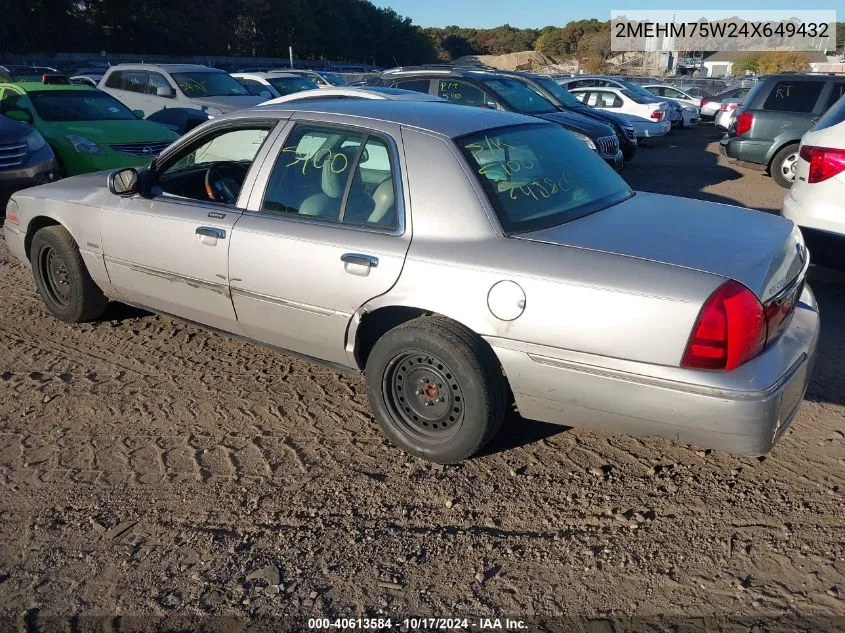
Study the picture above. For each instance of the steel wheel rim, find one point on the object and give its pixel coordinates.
(789, 166)
(423, 395)
(56, 277)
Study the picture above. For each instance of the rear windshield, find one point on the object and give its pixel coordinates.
(79, 105)
(538, 176)
(289, 85)
(519, 96)
(209, 84)
(25, 74)
(558, 92)
(635, 97)
(834, 115)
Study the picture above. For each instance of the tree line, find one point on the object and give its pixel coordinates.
(338, 30)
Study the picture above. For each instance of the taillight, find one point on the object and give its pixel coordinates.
(729, 107)
(743, 122)
(704, 102)
(825, 162)
(657, 115)
(730, 330)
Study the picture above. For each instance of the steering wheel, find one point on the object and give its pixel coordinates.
(223, 181)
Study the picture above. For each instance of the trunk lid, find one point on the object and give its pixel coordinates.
(761, 251)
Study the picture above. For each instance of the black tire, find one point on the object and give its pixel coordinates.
(451, 369)
(63, 282)
(783, 162)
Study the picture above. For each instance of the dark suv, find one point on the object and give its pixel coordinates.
(774, 116)
(490, 89)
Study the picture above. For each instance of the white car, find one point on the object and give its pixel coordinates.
(648, 118)
(676, 94)
(273, 84)
(154, 87)
(816, 200)
(727, 113)
(369, 92)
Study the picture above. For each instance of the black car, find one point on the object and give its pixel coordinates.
(565, 100)
(499, 91)
(17, 72)
(768, 127)
(26, 159)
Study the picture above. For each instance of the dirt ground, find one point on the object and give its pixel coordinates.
(150, 469)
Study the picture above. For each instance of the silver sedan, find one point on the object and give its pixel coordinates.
(466, 260)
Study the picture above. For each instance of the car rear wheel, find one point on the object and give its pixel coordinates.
(63, 282)
(436, 389)
(784, 165)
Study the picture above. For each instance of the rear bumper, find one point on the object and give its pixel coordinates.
(727, 414)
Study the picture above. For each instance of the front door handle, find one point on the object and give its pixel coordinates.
(358, 258)
(210, 231)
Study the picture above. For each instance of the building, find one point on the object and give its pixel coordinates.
(721, 64)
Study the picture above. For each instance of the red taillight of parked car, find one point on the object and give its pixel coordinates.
(730, 330)
(729, 107)
(743, 122)
(825, 162)
(657, 115)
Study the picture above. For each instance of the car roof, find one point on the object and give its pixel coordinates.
(368, 92)
(170, 68)
(263, 75)
(37, 86)
(448, 119)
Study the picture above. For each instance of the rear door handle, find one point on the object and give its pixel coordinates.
(358, 258)
(210, 231)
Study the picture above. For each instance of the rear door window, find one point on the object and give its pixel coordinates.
(417, 85)
(135, 81)
(115, 80)
(794, 96)
(461, 92)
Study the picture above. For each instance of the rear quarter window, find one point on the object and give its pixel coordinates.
(793, 96)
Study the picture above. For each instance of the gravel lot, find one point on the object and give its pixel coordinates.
(149, 468)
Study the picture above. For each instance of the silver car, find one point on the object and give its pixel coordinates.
(466, 260)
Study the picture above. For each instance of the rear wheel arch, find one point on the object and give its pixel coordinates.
(373, 325)
(777, 147)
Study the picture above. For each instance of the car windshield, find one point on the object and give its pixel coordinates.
(333, 79)
(635, 97)
(558, 92)
(79, 105)
(209, 84)
(538, 176)
(519, 96)
(288, 85)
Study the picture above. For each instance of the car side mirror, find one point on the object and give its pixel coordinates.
(124, 182)
(24, 116)
(166, 92)
(138, 113)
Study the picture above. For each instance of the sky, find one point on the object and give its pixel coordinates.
(539, 13)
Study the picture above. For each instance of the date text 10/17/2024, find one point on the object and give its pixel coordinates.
(416, 624)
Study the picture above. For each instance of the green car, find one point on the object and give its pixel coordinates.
(88, 129)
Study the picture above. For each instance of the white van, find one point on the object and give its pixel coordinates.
(153, 87)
